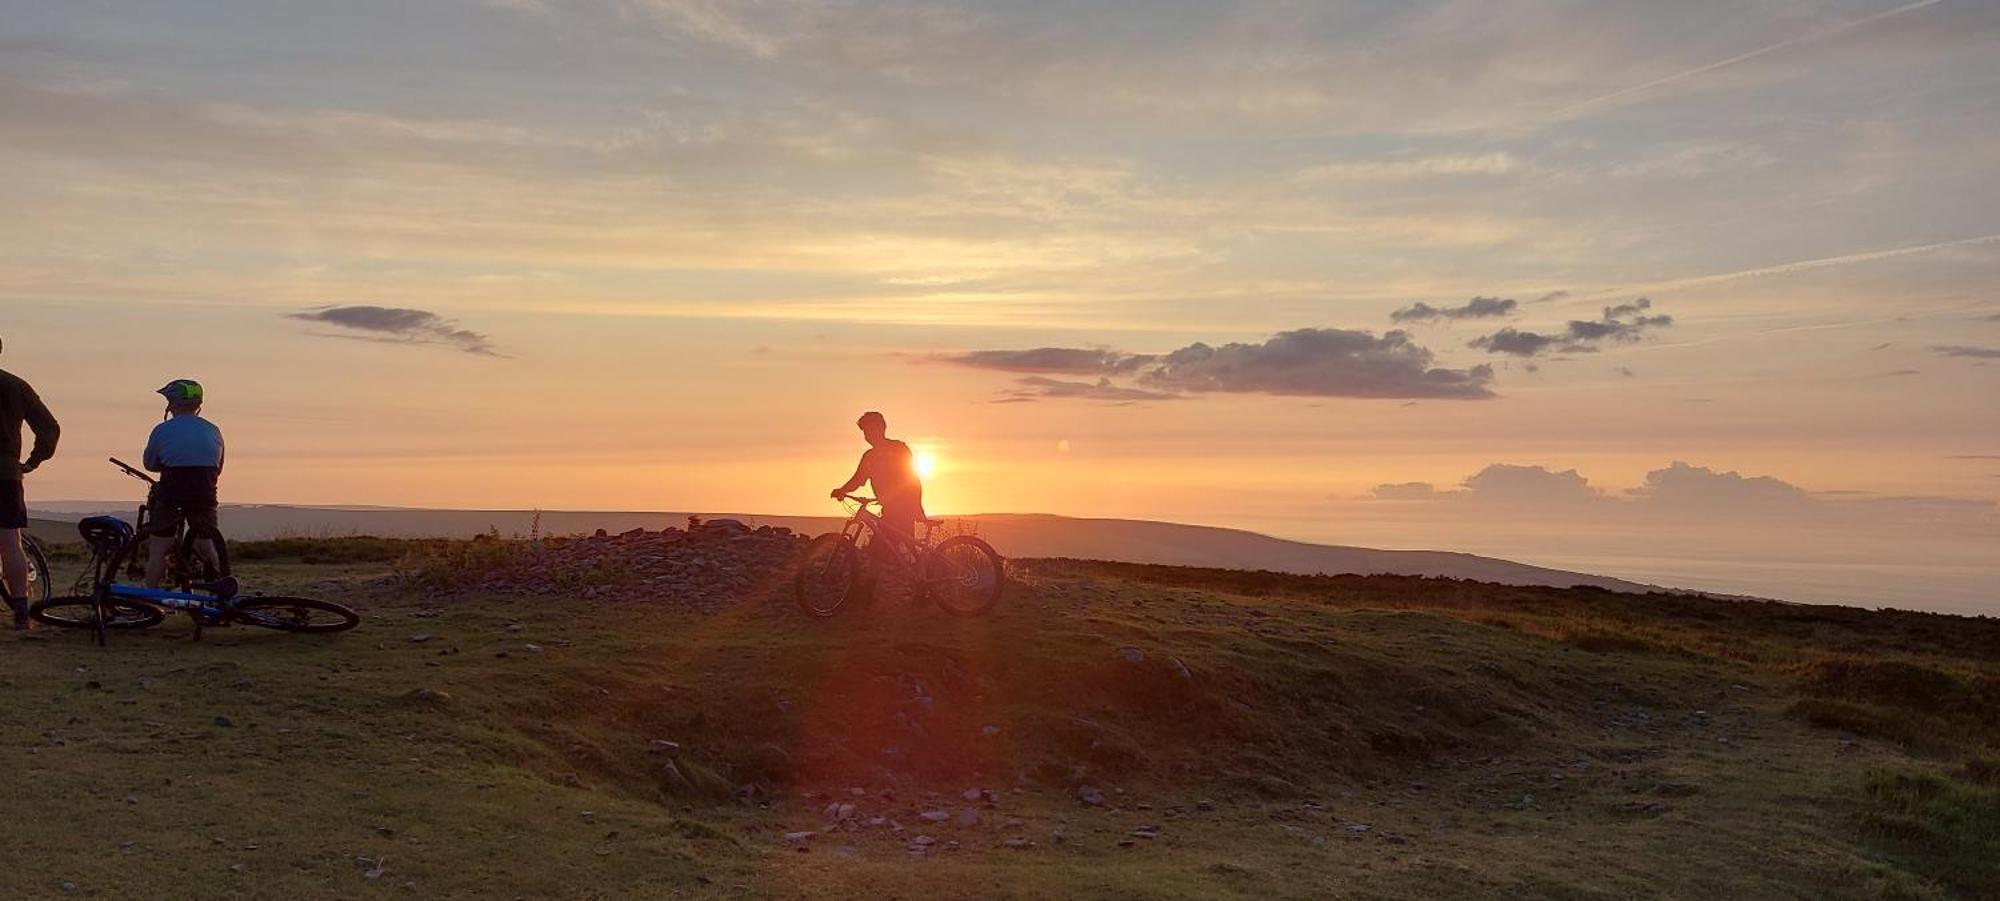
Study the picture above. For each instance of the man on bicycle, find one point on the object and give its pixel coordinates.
(892, 469)
(19, 405)
(186, 450)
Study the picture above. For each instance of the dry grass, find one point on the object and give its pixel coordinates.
(1493, 741)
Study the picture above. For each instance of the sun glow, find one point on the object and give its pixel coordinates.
(925, 462)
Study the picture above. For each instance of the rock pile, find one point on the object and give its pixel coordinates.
(706, 567)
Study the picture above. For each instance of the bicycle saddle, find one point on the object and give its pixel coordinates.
(105, 532)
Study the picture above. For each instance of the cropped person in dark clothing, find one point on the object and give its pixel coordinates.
(186, 450)
(19, 405)
(891, 468)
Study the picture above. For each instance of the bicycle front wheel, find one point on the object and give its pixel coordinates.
(80, 612)
(294, 614)
(829, 575)
(964, 575)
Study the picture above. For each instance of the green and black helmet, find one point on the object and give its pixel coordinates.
(182, 393)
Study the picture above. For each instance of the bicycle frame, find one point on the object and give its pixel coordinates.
(171, 600)
(909, 550)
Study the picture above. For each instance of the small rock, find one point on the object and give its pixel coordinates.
(514, 627)
(1204, 805)
(1132, 654)
(971, 794)
(663, 746)
(968, 818)
(224, 722)
(532, 648)
(799, 838)
(1017, 844)
(420, 638)
(934, 816)
(1090, 796)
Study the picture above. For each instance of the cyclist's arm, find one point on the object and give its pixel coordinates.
(151, 458)
(221, 451)
(36, 414)
(860, 477)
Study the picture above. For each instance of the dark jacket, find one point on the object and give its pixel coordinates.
(19, 404)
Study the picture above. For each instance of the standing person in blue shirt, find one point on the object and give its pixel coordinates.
(186, 450)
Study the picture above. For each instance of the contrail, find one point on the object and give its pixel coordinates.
(1614, 96)
(1803, 265)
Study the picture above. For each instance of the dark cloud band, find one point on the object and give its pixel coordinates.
(401, 325)
(1476, 308)
(1623, 323)
(1314, 362)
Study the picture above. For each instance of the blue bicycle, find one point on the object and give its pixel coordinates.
(106, 604)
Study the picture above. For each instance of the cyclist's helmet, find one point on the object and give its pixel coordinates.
(182, 393)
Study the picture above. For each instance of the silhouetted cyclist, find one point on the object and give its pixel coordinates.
(890, 467)
(186, 450)
(18, 405)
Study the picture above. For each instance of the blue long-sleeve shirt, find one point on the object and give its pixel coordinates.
(184, 441)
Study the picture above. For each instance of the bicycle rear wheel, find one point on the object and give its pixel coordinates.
(80, 612)
(41, 583)
(293, 614)
(829, 575)
(191, 566)
(964, 575)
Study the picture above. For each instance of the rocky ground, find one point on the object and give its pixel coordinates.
(710, 565)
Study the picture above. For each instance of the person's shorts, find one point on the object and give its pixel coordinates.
(183, 497)
(13, 505)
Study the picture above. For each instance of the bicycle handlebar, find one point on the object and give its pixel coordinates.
(863, 501)
(133, 472)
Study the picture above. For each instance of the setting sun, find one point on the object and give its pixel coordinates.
(926, 462)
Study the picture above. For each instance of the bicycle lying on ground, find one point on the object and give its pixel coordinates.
(116, 547)
(962, 573)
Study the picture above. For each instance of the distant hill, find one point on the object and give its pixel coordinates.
(51, 530)
(1016, 535)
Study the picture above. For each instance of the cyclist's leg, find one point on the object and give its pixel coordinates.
(14, 564)
(164, 521)
(201, 518)
(13, 558)
(898, 532)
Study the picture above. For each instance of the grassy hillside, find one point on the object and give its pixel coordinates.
(1113, 731)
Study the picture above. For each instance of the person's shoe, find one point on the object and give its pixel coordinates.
(20, 608)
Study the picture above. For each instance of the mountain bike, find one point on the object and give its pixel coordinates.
(116, 547)
(962, 573)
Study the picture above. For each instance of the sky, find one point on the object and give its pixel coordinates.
(1568, 281)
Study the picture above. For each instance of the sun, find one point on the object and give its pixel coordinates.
(925, 462)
